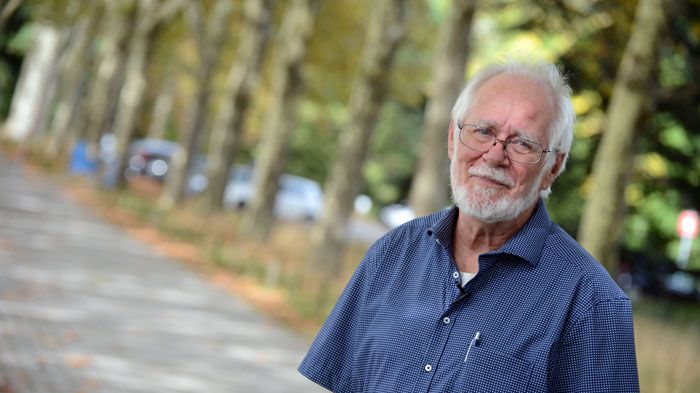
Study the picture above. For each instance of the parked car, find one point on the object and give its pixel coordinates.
(396, 214)
(297, 198)
(150, 158)
(682, 284)
(657, 276)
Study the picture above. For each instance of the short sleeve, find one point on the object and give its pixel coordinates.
(329, 360)
(597, 353)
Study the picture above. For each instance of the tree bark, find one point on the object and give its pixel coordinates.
(30, 101)
(150, 14)
(7, 9)
(281, 120)
(210, 46)
(131, 94)
(430, 182)
(385, 31)
(630, 101)
(242, 79)
(74, 64)
(162, 108)
(103, 89)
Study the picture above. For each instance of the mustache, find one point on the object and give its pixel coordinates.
(492, 174)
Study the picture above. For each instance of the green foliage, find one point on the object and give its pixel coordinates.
(586, 37)
(334, 50)
(63, 12)
(414, 58)
(22, 41)
(674, 70)
(636, 230)
(658, 208)
(313, 146)
(665, 179)
(389, 167)
(674, 136)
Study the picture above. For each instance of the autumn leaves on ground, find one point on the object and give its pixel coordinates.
(270, 275)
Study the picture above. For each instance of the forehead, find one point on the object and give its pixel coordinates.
(514, 102)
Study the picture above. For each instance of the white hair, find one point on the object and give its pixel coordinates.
(561, 129)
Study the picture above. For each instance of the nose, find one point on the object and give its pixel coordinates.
(497, 154)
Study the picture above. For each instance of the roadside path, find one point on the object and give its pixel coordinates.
(86, 308)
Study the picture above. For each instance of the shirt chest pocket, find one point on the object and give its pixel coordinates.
(491, 372)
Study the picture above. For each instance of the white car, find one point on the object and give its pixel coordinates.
(298, 198)
(396, 214)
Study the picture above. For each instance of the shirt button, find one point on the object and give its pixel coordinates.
(455, 274)
(446, 320)
(428, 368)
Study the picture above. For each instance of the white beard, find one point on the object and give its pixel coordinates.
(483, 204)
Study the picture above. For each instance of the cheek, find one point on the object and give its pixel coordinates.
(458, 173)
(527, 179)
(466, 155)
(461, 163)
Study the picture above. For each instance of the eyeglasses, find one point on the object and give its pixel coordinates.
(518, 149)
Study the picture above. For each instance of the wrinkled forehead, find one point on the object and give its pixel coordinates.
(514, 101)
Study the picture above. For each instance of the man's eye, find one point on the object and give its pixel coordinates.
(523, 145)
(482, 131)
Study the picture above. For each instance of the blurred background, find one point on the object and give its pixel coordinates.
(282, 137)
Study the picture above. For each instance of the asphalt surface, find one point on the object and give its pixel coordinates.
(86, 308)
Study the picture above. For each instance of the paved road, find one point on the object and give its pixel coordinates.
(85, 308)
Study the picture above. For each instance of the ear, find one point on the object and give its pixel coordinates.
(450, 139)
(551, 174)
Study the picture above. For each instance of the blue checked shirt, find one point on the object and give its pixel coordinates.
(541, 316)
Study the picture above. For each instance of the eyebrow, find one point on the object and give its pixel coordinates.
(518, 133)
(524, 135)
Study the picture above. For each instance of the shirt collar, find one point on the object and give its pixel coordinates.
(527, 243)
(443, 229)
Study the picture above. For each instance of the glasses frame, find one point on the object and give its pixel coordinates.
(505, 143)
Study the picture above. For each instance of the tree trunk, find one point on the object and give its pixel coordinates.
(162, 108)
(242, 79)
(7, 9)
(132, 92)
(74, 65)
(384, 34)
(31, 98)
(603, 213)
(210, 51)
(282, 117)
(150, 14)
(430, 182)
(104, 87)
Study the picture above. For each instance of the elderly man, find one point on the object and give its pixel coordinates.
(491, 295)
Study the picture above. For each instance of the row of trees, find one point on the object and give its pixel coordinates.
(219, 75)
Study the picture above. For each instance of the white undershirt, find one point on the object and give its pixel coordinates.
(466, 277)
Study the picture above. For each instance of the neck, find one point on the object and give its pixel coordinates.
(473, 237)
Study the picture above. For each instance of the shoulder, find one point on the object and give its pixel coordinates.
(579, 269)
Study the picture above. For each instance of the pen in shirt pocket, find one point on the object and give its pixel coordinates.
(474, 341)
